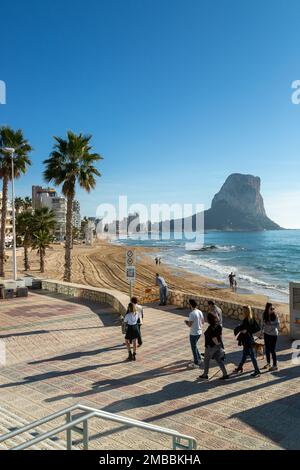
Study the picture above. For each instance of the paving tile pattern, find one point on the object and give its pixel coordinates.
(62, 351)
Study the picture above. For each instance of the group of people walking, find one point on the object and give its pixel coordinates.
(214, 346)
(213, 334)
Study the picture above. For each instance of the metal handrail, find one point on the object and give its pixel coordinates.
(71, 424)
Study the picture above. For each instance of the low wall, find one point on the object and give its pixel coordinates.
(119, 301)
(114, 298)
(229, 309)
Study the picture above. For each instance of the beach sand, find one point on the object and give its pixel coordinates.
(103, 265)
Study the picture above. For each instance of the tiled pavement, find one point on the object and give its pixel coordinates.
(63, 351)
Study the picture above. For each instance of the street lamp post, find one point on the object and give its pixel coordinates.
(13, 217)
(14, 257)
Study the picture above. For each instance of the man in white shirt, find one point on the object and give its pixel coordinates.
(140, 311)
(195, 322)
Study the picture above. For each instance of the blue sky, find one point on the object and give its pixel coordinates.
(178, 94)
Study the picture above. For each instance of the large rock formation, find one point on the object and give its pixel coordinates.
(239, 206)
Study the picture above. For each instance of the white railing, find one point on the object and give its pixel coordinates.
(179, 441)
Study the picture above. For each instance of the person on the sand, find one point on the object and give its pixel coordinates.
(231, 278)
(163, 289)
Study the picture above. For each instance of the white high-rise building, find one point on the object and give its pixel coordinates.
(76, 218)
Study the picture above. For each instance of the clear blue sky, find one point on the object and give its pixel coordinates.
(178, 94)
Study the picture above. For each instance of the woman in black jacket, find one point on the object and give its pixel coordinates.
(245, 333)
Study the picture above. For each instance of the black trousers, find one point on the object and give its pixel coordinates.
(140, 342)
(270, 346)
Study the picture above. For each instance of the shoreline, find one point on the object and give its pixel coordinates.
(103, 265)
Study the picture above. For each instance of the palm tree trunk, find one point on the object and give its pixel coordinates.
(42, 260)
(69, 241)
(26, 260)
(3, 224)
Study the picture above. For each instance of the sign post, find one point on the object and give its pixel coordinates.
(130, 269)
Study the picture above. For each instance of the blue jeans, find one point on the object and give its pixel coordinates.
(248, 351)
(163, 294)
(194, 340)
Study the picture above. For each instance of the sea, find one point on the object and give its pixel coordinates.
(263, 262)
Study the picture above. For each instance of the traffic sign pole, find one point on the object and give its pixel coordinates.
(130, 269)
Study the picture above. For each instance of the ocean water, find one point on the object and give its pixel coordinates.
(264, 262)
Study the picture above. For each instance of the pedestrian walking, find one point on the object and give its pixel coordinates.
(213, 347)
(270, 330)
(132, 333)
(140, 312)
(215, 310)
(244, 333)
(195, 322)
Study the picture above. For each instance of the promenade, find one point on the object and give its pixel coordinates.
(61, 351)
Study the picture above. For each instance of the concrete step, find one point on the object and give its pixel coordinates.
(9, 421)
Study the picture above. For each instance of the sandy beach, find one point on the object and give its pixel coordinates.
(102, 265)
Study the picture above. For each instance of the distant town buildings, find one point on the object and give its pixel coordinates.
(47, 197)
(39, 194)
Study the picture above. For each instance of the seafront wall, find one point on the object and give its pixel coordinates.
(119, 300)
(229, 309)
(114, 298)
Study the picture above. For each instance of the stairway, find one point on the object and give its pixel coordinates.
(9, 421)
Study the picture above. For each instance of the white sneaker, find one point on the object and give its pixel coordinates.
(192, 365)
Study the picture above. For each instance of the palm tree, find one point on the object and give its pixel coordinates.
(27, 203)
(19, 204)
(71, 162)
(43, 219)
(41, 241)
(24, 226)
(16, 140)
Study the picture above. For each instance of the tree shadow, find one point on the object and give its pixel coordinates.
(178, 390)
(278, 420)
(78, 354)
(107, 315)
(41, 332)
(108, 384)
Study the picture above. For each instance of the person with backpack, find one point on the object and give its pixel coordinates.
(270, 330)
(244, 333)
(213, 346)
(195, 322)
